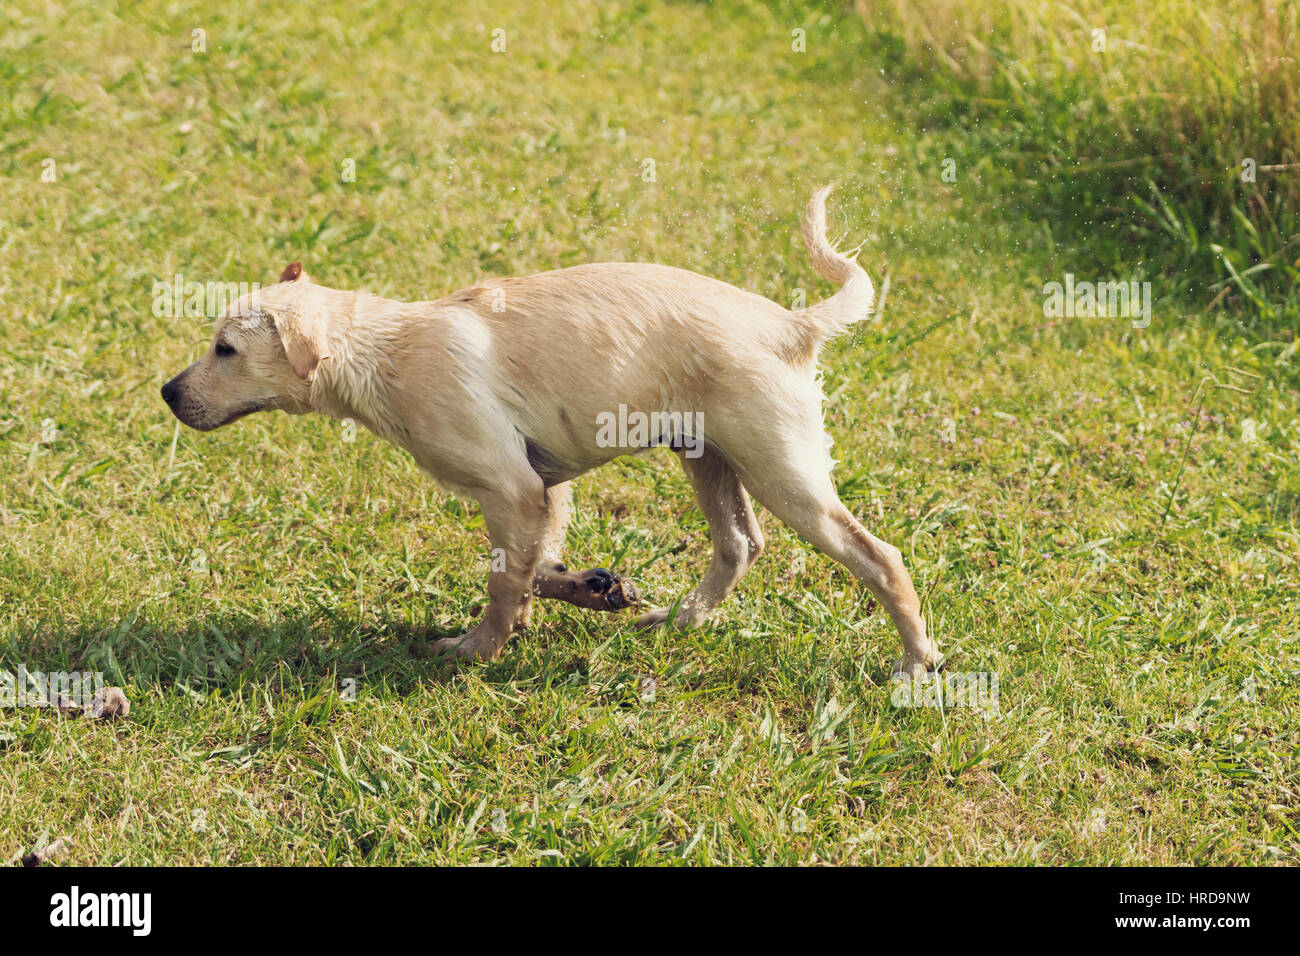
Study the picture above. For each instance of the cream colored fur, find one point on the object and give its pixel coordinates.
(496, 391)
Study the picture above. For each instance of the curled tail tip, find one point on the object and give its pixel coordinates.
(829, 262)
(856, 297)
(817, 204)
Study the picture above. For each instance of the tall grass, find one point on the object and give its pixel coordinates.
(1142, 122)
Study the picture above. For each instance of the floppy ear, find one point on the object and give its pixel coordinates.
(304, 340)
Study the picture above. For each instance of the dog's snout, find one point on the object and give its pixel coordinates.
(170, 392)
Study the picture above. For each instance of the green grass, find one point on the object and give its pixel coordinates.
(1099, 533)
(1166, 133)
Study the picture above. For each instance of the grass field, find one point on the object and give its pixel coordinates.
(1104, 516)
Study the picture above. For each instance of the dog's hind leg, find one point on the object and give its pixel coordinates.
(792, 480)
(737, 538)
(596, 588)
(559, 499)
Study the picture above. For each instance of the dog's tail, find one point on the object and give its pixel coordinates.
(856, 296)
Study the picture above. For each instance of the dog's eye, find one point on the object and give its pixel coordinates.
(224, 349)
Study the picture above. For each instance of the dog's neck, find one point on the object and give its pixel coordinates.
(350, 380)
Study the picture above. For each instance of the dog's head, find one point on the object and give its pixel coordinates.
(263, 355)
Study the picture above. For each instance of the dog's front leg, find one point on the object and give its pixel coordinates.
(516, 517)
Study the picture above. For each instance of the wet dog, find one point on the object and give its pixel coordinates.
(508, 390)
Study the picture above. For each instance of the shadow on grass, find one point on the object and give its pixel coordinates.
(298, 652)
(306, 654)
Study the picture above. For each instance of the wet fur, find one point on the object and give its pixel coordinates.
(496, 391)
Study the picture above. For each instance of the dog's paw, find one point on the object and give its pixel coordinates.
(912, 668)
(597, 589)
(653, 618)
(665, 617)
(474, 645)
(616, 592)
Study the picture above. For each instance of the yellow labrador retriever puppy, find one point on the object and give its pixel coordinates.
(507, 390)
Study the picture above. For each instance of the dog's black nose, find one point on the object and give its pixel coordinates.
(169, 392)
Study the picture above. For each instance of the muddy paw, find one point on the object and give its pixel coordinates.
(598, 589)
(617, 592)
